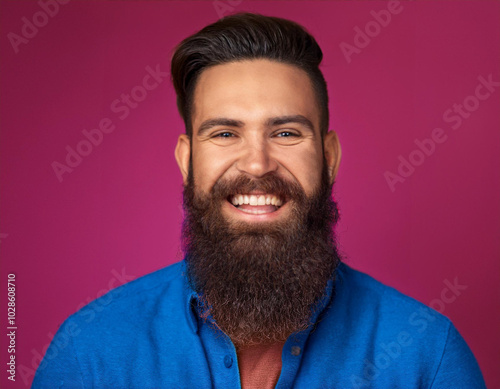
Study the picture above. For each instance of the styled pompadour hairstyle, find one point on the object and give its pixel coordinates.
(246, 36)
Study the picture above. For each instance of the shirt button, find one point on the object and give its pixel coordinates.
(295, 350)
(228, 361)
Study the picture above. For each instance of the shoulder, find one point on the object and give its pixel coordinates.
(95, 345)
(158, 293)
(385, 335)
(364, 284)
(361, 290)
(378, 315)
(157, 279)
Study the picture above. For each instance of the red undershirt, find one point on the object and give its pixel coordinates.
(260, 365)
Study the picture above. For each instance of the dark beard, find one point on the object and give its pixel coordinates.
(260, 283)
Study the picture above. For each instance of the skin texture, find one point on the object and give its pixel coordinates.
(252, 93)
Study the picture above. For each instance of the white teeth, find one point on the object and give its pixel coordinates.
(254, 200)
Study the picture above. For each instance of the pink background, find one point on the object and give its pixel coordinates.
(119, 210)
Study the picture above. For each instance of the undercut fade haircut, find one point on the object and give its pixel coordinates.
(246, 36)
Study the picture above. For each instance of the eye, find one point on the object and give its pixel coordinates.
(286, 134)
(224, 134)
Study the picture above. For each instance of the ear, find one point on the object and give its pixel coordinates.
(333, 153)
(182, 154)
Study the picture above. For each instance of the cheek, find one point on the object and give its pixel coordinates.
(208, 167)
(306, 167)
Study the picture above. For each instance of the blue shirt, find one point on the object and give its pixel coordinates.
(146, 334)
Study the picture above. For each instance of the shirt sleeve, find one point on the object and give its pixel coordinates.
(458, 367)
(59, 368)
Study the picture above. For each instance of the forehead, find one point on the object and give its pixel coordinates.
(253, 91)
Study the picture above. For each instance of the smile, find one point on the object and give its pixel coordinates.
(256, 204)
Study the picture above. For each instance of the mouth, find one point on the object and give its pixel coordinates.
(256, 203)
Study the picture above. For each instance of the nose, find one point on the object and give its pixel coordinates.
(256, 159)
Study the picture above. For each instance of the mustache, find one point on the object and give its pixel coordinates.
(270, 183)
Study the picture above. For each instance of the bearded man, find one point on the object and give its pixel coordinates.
(262, 299)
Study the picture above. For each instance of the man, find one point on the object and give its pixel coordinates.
(261, 299)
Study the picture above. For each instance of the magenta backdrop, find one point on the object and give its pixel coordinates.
(115, 215)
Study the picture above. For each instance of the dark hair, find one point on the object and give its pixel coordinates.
(245, 36)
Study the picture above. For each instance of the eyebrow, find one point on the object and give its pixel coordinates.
(271, 122)
(208, 124)
(299, 119)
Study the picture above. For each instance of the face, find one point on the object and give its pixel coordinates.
(256, 118)
(259, 217)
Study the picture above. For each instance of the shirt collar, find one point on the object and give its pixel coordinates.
(190, 300)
